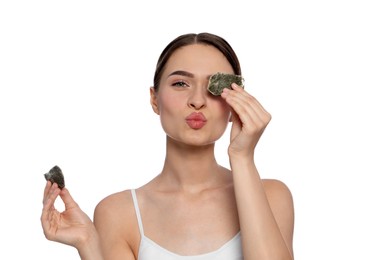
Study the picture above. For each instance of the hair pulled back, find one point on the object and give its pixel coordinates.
(188, 39)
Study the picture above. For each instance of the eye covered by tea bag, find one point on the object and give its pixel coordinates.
(55, 175)
(219, 81)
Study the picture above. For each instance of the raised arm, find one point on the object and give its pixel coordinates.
(265, 208)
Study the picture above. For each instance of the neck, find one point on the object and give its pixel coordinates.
(190, 168)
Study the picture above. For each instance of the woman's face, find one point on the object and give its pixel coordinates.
(188, 112)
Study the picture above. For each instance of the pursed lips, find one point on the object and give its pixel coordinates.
(196, 120)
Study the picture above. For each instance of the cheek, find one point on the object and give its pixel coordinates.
(224, 110)
(171, 110)
(221, 115)
(171, 114)
(169, 105)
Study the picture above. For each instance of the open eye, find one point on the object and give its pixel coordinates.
(180, 84)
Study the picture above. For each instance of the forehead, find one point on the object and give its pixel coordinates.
(198, 58)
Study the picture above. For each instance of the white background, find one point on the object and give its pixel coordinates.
(74, 92)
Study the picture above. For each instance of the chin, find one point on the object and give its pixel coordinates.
(194, 140)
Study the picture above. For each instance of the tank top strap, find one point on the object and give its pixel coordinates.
(137, 210)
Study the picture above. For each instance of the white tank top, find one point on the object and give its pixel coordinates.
(149, 250)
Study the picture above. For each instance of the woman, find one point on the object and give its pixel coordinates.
(195, 208)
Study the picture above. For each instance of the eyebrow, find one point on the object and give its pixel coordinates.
(184, 73)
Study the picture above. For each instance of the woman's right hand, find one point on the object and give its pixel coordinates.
(72, 226)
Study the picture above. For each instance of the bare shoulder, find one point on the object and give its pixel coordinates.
(281, 202)
(115, 202)
(116, 210)
(115, 221)
(279, 195)
(275, 187)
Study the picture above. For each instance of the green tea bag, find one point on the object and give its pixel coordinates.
(219, 81)
(55, 175)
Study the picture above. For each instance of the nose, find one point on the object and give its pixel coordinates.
(198, 98)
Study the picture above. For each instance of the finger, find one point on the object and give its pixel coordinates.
(236, 87)
(247, 96)
(252, 121)
(67, 199)
(51, 196)
(50, 222)
(240, 103)
(46, 190)
(235, 119)
(48, 210)
(245, 104)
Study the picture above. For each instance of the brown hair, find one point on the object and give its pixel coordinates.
(187, 39)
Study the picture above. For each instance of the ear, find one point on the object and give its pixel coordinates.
(154, 101)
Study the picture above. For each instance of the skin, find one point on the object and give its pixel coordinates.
(194, 205)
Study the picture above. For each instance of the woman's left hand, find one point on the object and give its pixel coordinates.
(249, 120)
(72, 226)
